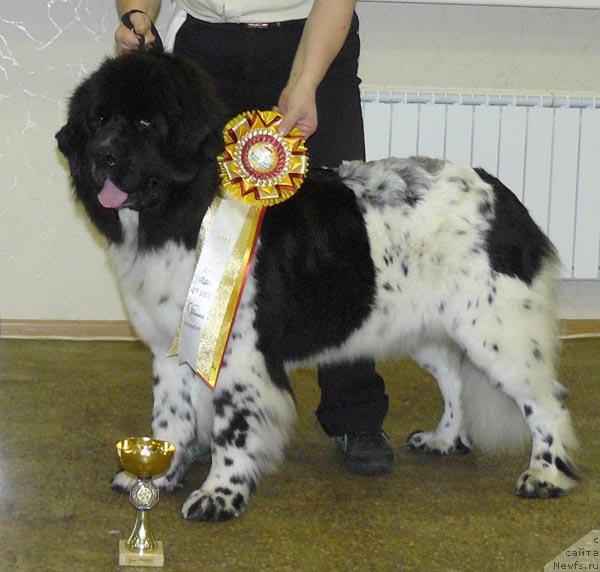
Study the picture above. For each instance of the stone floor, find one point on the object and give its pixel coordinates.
(63, 405)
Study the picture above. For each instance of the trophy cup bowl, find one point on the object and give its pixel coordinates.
(145, 458)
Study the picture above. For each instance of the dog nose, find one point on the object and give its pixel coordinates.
(106, 156)
(109, 159)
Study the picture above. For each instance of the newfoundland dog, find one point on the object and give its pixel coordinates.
(419, 256)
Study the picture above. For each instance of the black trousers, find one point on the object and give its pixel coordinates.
(250, 67)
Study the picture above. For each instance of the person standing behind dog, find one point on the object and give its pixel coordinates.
(302, 57)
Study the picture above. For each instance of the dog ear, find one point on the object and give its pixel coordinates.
(65, 139)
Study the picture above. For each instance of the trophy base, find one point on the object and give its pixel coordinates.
(128, 557)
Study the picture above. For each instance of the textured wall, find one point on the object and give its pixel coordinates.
(51, 263)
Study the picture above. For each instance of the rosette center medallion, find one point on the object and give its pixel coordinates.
(259, 165)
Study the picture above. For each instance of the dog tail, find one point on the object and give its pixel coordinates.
(492, 420)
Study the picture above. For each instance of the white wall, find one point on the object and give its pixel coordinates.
(52, 263)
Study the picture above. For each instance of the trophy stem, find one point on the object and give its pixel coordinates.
(141, 537)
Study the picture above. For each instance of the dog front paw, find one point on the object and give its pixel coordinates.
(218, 505)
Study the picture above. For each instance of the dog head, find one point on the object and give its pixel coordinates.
(143, 133)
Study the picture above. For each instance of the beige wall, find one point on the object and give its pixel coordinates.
(51, 262)
(481, 47)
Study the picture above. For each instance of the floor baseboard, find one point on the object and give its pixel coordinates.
(122, 330)
(579, 328)
(68, 329)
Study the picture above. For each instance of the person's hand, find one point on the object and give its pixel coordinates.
(298, 106)
(127, 41)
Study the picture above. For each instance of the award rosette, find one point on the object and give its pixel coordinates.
(259, 168)
(259, 165)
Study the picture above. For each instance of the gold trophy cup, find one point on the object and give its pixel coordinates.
(145, 458)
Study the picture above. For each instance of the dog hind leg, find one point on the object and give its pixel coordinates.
(516, 348)
(443, 360)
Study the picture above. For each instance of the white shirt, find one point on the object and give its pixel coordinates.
(246, 11)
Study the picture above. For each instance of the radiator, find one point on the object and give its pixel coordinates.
(546, 149)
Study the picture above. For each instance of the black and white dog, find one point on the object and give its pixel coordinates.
(415, 255)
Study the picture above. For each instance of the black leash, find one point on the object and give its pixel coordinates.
(157, 44)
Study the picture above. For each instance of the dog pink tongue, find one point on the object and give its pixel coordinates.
(111, 197)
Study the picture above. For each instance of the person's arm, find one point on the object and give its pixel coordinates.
(125, 39)
(324, 34)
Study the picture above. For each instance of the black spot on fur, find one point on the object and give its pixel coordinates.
(235, 432)
(527, 410)
(163, 300)
(547, 456)
(238, 501)
(225, 399)
(515, 244)
(485, 208)
(238, 480)
(223, 490)
(537, 354)
(548, 439)
(567, 468)
(228, 461)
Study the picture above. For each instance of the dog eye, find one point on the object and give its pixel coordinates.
(95, 122)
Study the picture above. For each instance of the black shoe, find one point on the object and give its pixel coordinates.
(368, 452)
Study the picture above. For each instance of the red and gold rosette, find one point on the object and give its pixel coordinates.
(259, 165)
